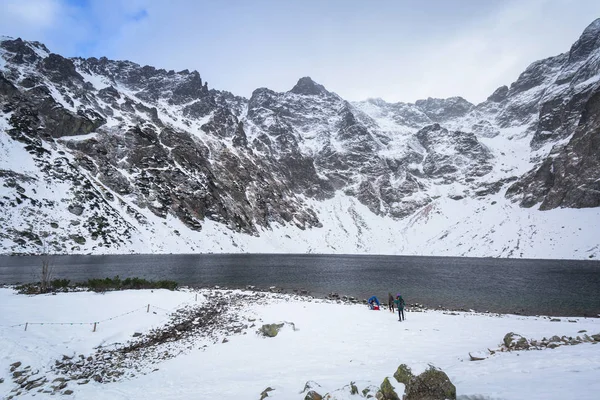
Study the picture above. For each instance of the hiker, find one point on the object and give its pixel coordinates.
(390, 302)
(373, 303)
(400, 305)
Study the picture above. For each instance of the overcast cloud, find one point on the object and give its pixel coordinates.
(396, 50)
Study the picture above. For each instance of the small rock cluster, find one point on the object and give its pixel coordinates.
(513, 341)
(209, 321)
(344, 299)
(433, 384)
(26, 379)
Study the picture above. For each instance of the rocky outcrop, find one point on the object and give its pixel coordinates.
(386, 391)
(403, 374)
(440, 110)
(569, 176)
(433, 384)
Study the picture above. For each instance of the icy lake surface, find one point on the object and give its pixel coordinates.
(548, 287)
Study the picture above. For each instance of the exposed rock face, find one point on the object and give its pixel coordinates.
(121, 149)
(440, 110)
(308, 87)
(570, 175)
(452, 155)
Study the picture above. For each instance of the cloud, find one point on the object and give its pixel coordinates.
(36, 13)
(393, 50)
(479, 57)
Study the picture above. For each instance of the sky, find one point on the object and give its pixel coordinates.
(395, 50)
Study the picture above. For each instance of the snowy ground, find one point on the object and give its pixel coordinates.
(333, 345)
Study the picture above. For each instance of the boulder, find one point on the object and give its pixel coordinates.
(312, 395)
(270, 330)
(386, 391)
(433, 384)
(403, 374)
(596, 337)
(75, 209)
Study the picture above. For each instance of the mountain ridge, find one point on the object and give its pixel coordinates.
(144, 155)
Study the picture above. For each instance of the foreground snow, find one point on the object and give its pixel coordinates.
(333, 345)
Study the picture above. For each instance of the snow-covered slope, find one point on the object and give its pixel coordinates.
(330, 345)
(101, 156)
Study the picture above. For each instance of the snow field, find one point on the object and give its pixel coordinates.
(333, 344)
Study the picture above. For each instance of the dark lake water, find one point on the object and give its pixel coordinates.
(549, 287)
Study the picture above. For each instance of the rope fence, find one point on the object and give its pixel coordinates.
(95, 324)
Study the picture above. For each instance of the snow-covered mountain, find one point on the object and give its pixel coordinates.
(102, 156)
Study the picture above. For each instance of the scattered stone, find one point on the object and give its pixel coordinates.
(265, 393)
(353, 388)
(225, 340)
(555, 320)
(83, 382)
(14, 366)
(596, 337)
(137, 334)
(582, 331)
(68, 392)
(473, 358)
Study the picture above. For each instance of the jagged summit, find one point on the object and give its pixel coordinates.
(111, 157)
(588, 42)
(306, 86)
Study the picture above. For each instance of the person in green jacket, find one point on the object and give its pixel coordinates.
(400, 305)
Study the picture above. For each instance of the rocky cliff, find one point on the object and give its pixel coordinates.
(107, 156)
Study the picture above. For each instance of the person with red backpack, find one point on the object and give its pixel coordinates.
(400, 305)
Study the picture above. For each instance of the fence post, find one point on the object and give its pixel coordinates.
(148, 309)
(94, 327)
(26, 323)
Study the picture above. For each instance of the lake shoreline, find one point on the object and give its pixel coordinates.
(516, 286)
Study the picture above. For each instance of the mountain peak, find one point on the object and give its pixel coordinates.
(306, 86)
(588, 42)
